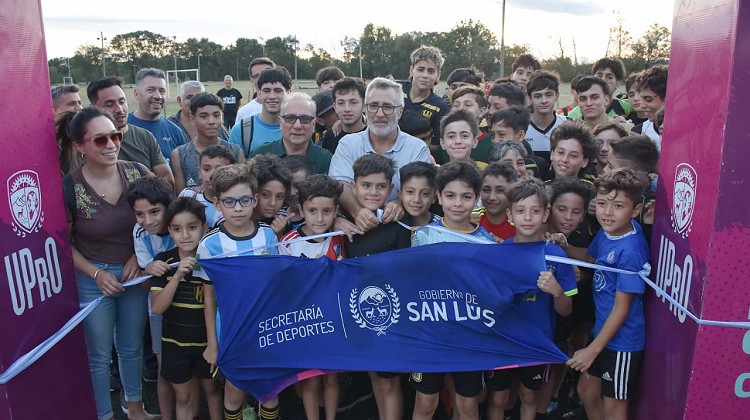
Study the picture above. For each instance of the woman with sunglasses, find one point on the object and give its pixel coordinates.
(101, 224)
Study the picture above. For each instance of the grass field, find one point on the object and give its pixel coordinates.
(307, 86)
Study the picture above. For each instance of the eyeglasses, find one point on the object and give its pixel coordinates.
(291, 119)
(230, 202)
(387, 108)
(103, 140)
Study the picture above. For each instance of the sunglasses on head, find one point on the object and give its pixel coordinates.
(103, 140)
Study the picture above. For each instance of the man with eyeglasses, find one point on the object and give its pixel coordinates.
(274, 85)
(297, 125)
(384, 103)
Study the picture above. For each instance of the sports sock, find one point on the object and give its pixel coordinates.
(269, 413)
(233, 414)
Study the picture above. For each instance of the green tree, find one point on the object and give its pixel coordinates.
(653, 47)
(471, 43)
(377, 43)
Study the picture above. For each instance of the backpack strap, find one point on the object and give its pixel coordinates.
(246, 132)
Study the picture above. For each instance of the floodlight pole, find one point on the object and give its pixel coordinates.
(502, 44)
(360, 58)
(296, 46)
(104, 57)
(174, 54)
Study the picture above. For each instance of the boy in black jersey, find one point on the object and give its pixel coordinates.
(424, 74)
(372, 185)
(178, 297)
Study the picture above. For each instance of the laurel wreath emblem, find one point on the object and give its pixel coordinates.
(395, 312)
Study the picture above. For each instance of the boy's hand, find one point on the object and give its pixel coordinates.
(592, 208)
(648, 213)
(186, 266)
(347, 227)
(393, 211)
(497, 238)
(157, 268)
(280, 222)
(547, 283)
(577, 273)
(210, 356)
(366, 219)
(556, 238)
(582, 359)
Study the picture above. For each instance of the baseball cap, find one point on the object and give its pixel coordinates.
(323, 102)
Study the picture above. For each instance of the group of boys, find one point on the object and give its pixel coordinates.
(494, 183)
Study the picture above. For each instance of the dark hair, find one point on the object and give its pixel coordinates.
(500, 169)
(348, 84)
(561, 186)
(459, 171)
(186, 205)
(515, 117)
(226, 177)
(543, 79)
(417, 169)
(297, 163)
(319, 185)
(577, 131)
(614, 64)
(526, 60)
(59, 91)
(260, 60)
(269, 168)
(373, 163)
(275, 75)
(460, 115)
(478, 93)
(632, 184)
(202, 99)
(631, 81)
(151, 188)
(92, 91)
(218, 151)
(575, 80)
(511, 92)
(414, 123)
(70, 127)
(639, 151)
(525, 188)
(468, 75)
(328, 73)
(587, 82)
(655, 79)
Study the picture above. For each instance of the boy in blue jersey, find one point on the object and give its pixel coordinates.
(178, 296)
(528, 211)
(235, 187)
(417, 192)
(612, 360)
(458, 184)
(210, 159)
(149, 197)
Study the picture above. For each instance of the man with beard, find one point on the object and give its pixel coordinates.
(151, 93)
(384, 104)
(137, 144)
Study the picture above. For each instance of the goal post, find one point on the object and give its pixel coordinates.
(174, 75)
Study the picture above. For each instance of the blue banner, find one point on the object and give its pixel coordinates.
(438, 308)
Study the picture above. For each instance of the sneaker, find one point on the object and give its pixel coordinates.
(552, 407)
(575, 414)
(356, 388)
(123, 402)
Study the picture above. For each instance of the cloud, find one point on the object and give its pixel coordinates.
(99, 20)
(571, 7)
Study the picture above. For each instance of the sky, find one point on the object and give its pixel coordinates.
(538, 23)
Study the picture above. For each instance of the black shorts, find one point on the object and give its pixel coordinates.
(531, 377)
(387, 375)
(178, 365)
(619, 371)
(584, 311)
(468, 384)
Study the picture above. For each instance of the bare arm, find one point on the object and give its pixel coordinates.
(582, 359)
(164, 172)
(179, 176)
(209, 311)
